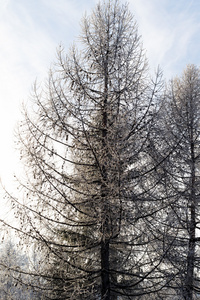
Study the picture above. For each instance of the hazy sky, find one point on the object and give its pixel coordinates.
(31, 30)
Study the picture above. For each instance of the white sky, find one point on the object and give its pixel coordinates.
(31, 30)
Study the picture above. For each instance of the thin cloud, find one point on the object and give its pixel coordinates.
(30, 32)
(24, 53)
(170, 32)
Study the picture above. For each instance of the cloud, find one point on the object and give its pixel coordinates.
(25, 50)
(170, 32)
(30, 32)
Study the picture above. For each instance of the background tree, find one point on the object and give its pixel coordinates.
(15, 282)
(182, 120)
(90, 196)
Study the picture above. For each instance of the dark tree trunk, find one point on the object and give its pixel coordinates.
(105, 276)
(105, 280)
(189, 282)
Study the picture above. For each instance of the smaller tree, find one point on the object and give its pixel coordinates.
(182, 129)
(15, 282)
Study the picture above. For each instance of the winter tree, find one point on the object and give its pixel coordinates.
(182, 128)
(90, 196)
(15, 282)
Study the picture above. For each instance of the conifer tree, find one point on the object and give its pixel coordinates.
(182, 129)
(90, 198)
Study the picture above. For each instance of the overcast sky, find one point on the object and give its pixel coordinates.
(31, 30)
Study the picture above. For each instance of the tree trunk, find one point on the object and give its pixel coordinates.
(105, 280)
(105, 276)
(189, 282)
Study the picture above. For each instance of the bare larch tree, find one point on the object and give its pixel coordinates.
(182, 120)
(90, 197)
